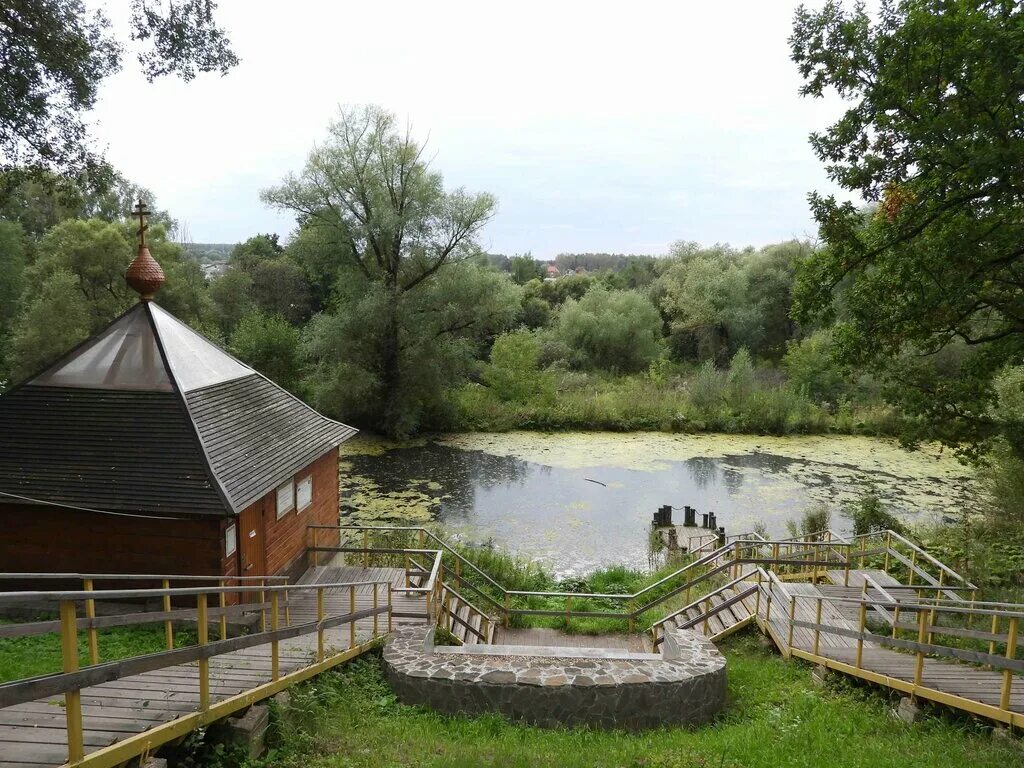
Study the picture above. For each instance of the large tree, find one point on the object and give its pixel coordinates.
(397, 234)
(930, 277)
(55, 53)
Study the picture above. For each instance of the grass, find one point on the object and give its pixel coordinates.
(775, 717)
(681, 403)
(22, 657)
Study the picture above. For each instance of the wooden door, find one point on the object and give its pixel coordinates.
(251, 544)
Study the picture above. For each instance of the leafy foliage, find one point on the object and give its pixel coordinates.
(611, 330)
(57, 52)
(931, 139)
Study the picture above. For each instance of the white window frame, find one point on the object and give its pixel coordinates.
(230, 540)
(306, 481)
(288, 486)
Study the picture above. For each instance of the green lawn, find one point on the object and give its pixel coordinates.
(40, 654)
(776, 717)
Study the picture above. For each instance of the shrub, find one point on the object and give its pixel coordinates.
(868, 514)
(514, 373)
(611, 330)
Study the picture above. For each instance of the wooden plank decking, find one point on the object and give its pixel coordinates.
(33, 735)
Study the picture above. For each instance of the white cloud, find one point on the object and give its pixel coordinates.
(598, 127)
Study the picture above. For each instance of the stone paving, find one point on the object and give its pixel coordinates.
(554, 687)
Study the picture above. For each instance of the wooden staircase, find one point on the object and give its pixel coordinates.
(720, 613)
(463, 620)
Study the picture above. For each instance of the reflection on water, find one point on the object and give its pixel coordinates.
(575, 518)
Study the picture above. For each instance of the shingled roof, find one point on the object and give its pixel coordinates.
(149, 416)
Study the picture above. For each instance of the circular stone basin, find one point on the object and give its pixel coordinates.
(551, 686)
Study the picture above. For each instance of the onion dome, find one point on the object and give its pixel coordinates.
(144, 274)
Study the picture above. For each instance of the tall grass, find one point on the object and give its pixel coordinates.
(705, 400)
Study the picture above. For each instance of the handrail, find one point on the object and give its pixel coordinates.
(73, 679)
(118, 594)
(696, 603)
(133, 577)
(891, 534)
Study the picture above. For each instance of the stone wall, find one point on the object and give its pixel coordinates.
(554, 687)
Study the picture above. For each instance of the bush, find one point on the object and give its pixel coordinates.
(610, 330)
(812, 370)
(868, 514)
(514, 373)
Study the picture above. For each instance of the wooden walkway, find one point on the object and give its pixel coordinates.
(940, 680)
(33, 734)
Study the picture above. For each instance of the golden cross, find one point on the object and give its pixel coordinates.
(142, 212)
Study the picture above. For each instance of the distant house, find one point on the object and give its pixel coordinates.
(148, 449)
(552, 272)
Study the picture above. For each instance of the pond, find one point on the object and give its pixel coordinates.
(578, 501)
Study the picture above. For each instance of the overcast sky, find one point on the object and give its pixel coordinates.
(600, 127)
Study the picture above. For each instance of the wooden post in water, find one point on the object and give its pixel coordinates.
(90, 613)
(1011, 652)
(202, 630)
(72, 699)
(275, 648)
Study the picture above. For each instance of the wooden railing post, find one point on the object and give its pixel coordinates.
(995, 631)
(263, 606)
(568, 612)
(757, 597)
(275, 647)
(863, 623)
(168, 628)
(631, 624)
(792, 618)
(366, 549)
(352, 624)
(72, 699)
(846, 567)
(888, 546)
(287, 610)
(922, 620)
(319, 623)
(202, 630)
(447, 611)
(817, 628)
(485, 625)
(90, 613)
(1011, 652)
(707, 617)
(970, 616)
(508, 609)
(375, 606)
(407, 581)
(390, 607)
(223, 602)
(913, 565)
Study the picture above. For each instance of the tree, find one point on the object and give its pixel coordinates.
(279, 286)
(442, 325)
(932, 141)
(55, 319)
(231, 294)
(270, 344)
(525, 268)
(56, 53)
(392, 224)
(613, 330)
